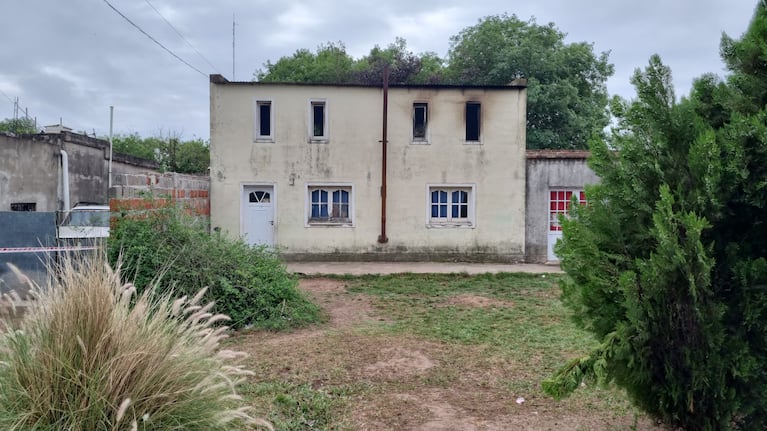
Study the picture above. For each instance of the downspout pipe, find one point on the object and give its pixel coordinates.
(109, 173)
(382, 238)
(65, 178)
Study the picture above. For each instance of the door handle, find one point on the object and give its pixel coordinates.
(271, 222)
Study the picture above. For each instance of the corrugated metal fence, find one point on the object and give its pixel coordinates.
(27, 240)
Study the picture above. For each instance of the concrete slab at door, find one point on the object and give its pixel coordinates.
(258, 215)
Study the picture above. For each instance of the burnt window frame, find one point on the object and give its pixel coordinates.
(473, 120)
(424, 136)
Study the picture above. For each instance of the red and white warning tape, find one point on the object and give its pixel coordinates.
(5, 250)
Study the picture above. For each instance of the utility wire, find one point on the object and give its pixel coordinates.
(7, 96)
(153, 39)
(15, 104)
(181, 35)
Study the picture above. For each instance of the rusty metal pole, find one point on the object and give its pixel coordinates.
(382, 238)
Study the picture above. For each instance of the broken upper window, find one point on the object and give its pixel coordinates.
(420, 111)
(472, 121)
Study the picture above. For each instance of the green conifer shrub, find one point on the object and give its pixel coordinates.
(666, 264)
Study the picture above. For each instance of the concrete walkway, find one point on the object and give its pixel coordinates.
(362, 268)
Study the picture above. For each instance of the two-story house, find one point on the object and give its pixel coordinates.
(370, 172)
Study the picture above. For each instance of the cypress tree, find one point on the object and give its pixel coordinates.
(666, 264)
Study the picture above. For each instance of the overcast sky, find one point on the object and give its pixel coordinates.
(73, 59)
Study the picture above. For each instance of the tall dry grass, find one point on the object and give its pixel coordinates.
(92, 355)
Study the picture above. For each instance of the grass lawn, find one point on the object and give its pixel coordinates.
(429, 352)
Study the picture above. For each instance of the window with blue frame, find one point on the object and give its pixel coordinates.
(451, 206)
(330, 205)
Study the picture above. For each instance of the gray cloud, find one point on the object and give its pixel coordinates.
(74, 59)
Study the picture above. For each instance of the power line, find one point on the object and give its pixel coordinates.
(181, 35)
(15, 103)
(7, 96)
(153, 39)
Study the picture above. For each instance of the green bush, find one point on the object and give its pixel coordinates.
(249, 284)
(90, 355)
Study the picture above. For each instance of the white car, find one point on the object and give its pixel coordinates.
(85, 221)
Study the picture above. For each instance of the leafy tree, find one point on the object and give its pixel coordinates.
(667, 263)
(134, 145)
(192, 157)
(405, 67)
(330, 64)
(174, 155)
(18, 126)
(567, 96)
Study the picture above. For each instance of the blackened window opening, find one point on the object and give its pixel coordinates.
(472, 121)
(419, 121)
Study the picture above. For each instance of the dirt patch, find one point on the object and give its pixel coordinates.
(394, 381)
(476, 301)
(437, 410)
(344, 309)
(399, 362)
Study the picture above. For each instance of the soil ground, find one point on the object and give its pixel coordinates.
(395, 382)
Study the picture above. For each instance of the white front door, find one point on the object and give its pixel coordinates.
(559, 204)
(258, 215)
(554, 236)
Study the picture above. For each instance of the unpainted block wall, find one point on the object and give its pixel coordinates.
(135, 192)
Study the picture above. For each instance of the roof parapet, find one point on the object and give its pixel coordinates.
(218, 79)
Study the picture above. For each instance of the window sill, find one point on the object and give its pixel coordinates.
(472, 142)
(438, 225)
(329, 224)
(265, 140)
(420, 142)
(319, 140)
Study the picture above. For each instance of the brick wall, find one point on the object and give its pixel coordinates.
(146, 191)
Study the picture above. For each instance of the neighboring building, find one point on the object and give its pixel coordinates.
(34, 188)
(299, 166)
(32, 170)
(553, 178)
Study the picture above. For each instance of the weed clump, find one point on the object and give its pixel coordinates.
(249, 284)
(92, 355)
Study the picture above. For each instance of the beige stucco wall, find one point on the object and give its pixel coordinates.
(495, 168)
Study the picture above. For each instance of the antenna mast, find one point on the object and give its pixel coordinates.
(233, 79)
